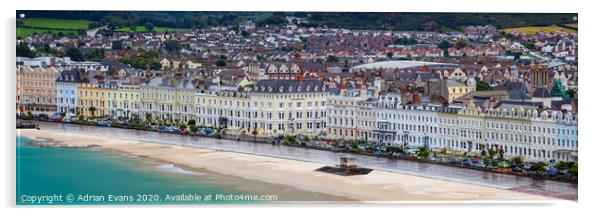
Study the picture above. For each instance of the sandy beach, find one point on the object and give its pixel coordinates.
(375, 187)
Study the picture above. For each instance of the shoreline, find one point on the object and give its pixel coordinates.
(377, 187)
(263, 140)
(222, 180)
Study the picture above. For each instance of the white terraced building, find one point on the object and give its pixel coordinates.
(545, 136)
(272, 107)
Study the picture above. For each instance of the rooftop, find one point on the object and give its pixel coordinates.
(400, 65)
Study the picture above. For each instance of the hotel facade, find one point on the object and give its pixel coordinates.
(36, 89)
(271, 107)
(536, 135)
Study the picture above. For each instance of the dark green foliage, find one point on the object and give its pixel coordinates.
(538, 167)
(149, 26)
(405, 41)
(149, 59)
(277, 18)
(332, 58)
(172, 46)
(24, 51)
(220, 63)
(371, 20)
(75, 54)
(423, 152)
(95, 55)
(482, 86)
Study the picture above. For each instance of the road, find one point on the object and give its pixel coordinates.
(497, 180)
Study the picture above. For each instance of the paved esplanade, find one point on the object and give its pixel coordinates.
(497, 180)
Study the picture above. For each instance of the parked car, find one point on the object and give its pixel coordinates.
(467, 161)
(67, 119)
(103, 123)
(172, 129)
(455, 161)
(208, 131)
(479, 164)
(552, 171)
(41, 116)
(381, 149)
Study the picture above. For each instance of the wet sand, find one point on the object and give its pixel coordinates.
(294, 180)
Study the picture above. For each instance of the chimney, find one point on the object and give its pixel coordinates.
(300, 78)
(363, 92)
(342, 87)
(82, 73)
(416, 97)
(492, 102)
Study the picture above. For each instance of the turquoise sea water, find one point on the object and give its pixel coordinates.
(58, 176)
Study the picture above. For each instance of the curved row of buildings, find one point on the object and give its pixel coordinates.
(309, 106)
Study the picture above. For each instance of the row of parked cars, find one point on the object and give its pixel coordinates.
(162, 128)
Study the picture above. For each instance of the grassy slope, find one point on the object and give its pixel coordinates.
(43, 25)
(26, 32)
(535, 29)
(142, 29)
(56, 23)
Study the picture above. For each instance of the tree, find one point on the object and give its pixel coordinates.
(255, 132)
(291, 139)
(529, 44)
(564, 165)
(491, 152)
(149, 26)
(538, 167)
(517, 160)
(24, 51)
(117, 45)
(141, 62)
(92, 111)
(75, 54)
(95, 55)
(220, 63)
(191, 122)
(423, 152)
(460, 43)
(405, 41)
(133, 27)
(516, 56)
(573, 169)
(332, 58)
(149, 118)
(482, 86)
(173, 46)
(193, 128)
(483, 151)
(277, 18)
(390, 55)
(501, 154)
(395, 149)
(444, 45)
